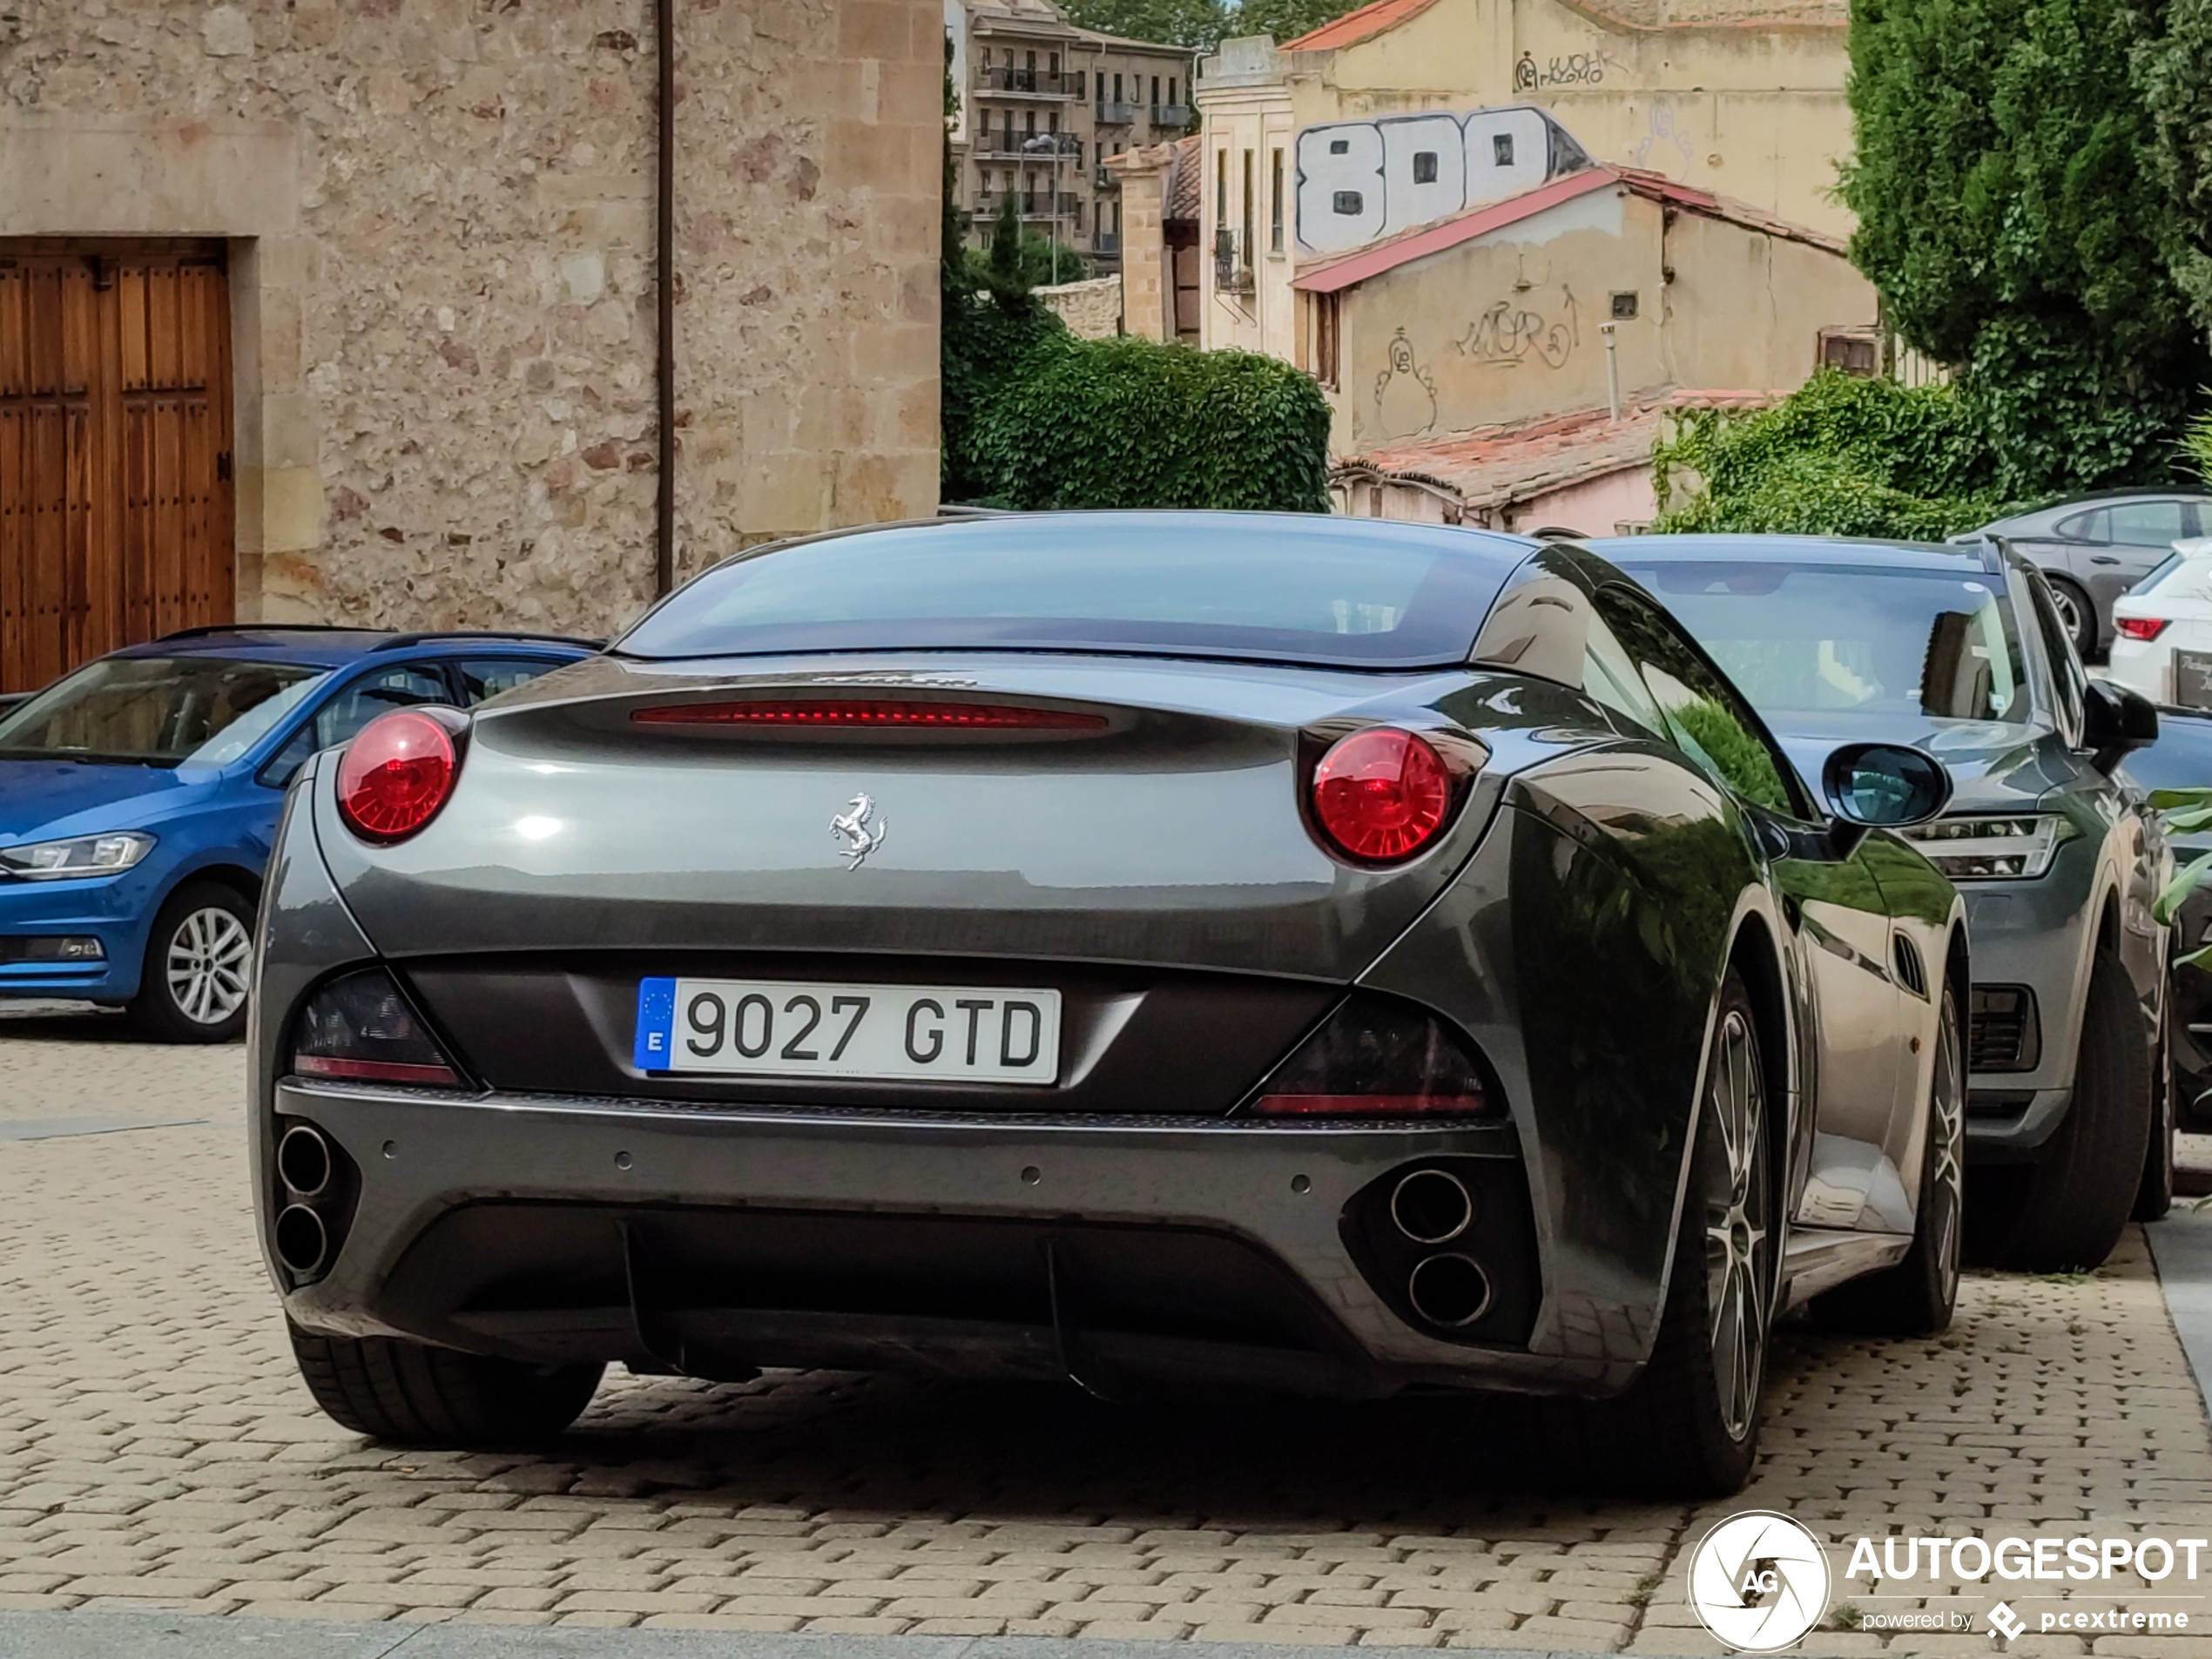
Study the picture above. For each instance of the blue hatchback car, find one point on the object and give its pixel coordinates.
(139, 796)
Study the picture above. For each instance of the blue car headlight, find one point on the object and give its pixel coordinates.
(80, 855)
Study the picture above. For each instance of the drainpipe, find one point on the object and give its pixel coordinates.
(664, 297)
(1612, 368)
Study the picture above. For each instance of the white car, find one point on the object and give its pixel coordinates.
(2161, 642)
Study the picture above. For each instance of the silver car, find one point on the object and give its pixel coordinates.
(1964, 652)
(2093, 549)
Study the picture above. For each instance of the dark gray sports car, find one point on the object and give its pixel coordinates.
(1149, 950)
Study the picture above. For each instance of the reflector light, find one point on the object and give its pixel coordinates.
(854, 712)
(395, 775)
(1376, 1058)
(2140, 627)
(362, 1030)
(1381, 794)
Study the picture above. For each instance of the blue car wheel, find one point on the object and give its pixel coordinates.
(200, 963)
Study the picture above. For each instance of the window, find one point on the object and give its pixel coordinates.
(1055, 64)
(1501, 148)
(2070, 685)
(1327, 329)
(1053, 121)
(1155, 90)
(2147, 523)
(1609, 677)
(1275, 201)
(1117, 88)
(2087, 527)
(403, 685)
(1424, 166)
(488, 677)
(1030, 123)
(1905, 644)
(1624, 307)
(1704, 716)
(1030, 62)
(1244, 245)
(158, 711)
(1171, 89)
(1220, 188)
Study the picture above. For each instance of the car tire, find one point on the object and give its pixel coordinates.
(199, 966)
(1688, 1427)
(2078, 613)
(409, 1393)
(2155, 1197)
(2069, 1211)
(1917, 1296)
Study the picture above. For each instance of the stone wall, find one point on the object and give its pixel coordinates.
(441, 213)
(1092, 308)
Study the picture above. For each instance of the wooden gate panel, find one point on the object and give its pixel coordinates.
(115, 515)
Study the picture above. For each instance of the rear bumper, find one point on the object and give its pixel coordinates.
(1186, 1251)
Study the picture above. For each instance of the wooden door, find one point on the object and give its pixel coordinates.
(116, 516)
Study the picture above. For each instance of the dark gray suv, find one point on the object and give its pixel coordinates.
(2093, 549)
(1963, 652)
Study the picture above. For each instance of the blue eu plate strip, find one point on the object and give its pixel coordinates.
(656, 1022)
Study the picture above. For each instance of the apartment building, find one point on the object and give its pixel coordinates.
(1042, 105)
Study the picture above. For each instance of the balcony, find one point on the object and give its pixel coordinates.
(1116, 115)
(1104, 178)
(1048, 144)
(1171, 114)
(1028, 83)
(1030, 204)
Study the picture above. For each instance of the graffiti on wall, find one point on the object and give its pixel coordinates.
(1513, 332)
(1405, 394)
(1359, 181)
(1567, 69)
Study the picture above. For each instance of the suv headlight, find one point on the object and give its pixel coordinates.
(80, 855)
(1991, 849)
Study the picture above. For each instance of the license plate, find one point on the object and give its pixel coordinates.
(781, 1029)
(2193, 679)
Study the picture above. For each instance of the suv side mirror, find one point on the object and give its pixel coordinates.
(1885, 786)
(2115, 722)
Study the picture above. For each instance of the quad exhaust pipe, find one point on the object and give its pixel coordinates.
(302, 1242)
(1449, 1290)
(303, 1160)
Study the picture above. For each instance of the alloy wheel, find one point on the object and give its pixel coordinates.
(206, 966)
(2069, 612)
(1946, 1188)
(1738, 1237)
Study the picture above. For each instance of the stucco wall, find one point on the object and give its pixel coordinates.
(1091, 308)
(441, 218)
(1508, 326)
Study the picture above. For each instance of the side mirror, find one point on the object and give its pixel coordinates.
(2115, 722)
(1885, 786)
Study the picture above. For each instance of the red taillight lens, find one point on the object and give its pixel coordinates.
(856, 711)
(1378, 1057)
(2140, 627)
(1381, 794)
(396, 774)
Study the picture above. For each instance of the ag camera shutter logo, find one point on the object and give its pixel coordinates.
(1759, 1581)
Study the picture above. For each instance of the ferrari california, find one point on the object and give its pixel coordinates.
(1152, 950)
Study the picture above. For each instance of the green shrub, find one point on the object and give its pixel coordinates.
(1840, 456)
(986, 339)
(1130, 423)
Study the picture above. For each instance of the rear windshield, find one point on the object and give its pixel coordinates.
(1348, 593)
(1800, 639)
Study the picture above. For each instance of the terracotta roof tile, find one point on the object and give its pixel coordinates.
(1183, 200)
(1355, 26)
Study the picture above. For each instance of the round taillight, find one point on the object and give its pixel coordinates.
(1381, 794)
(396, 774)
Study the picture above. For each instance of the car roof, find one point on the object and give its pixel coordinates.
(1864, 553)
(2050, 512)
(310, 646)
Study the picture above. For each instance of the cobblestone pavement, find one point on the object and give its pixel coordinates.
(157, 1450)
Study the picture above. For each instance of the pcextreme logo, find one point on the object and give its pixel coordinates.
(1759, 1581)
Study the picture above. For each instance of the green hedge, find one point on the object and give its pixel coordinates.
(1129, 422)
(1841, 456)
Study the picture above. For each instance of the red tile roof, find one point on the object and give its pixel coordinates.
(1355, 26)
(1499, 466)
(1182, 196)
(1333, 275)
